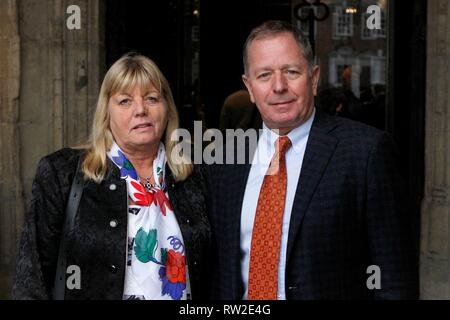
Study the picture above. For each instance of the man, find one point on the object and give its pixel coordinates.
(330, 221)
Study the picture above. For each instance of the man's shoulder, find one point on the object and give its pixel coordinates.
(350, 131)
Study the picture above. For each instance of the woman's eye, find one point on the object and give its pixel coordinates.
(124, 102)
(152, 99)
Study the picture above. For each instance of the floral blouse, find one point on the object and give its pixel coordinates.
(156, 262)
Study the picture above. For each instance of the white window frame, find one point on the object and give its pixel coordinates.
(342, 23)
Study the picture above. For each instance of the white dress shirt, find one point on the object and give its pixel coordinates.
(260, 164)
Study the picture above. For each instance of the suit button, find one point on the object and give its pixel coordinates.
(188, 221)
(113, 269)
(195, 263)
(112, 187)
(113, 223)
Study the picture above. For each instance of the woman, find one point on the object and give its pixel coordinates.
(141, 230)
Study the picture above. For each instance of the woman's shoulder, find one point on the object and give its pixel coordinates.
(62, 160)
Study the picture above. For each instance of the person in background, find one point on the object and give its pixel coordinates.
(239, 112)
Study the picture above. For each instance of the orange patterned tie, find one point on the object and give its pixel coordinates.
(266, 236)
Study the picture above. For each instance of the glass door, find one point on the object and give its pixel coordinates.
(349, 38)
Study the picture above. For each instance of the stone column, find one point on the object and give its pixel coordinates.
(11, 205)
(60, 77)
(435, 235)
(57, 75)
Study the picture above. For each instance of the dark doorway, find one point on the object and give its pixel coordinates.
(406, 94)
(147, 27)
(196, 43)
(162, 30)
(224, 28)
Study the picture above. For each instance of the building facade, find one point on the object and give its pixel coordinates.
(50, 76)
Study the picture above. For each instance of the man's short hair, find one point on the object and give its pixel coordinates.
(273, 28)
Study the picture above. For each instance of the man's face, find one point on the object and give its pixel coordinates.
(280, 83)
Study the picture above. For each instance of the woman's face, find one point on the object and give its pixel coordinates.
(137, 119)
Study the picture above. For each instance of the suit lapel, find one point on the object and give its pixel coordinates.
(319, 149)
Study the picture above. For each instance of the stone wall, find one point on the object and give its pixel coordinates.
(51, 88)
(435, 235)
(11, 187)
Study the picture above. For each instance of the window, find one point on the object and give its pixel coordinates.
(342, 23)
(352, 59)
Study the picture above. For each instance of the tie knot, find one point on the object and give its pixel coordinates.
(283, 144)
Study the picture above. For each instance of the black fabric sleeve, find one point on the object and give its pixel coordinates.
(38, 249)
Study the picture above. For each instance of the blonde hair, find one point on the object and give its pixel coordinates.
(126, 73)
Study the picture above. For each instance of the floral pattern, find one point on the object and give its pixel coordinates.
(155, 245)
(173, 274)
(126, 168)
(142, 196)
(173, 270)
(162, 201)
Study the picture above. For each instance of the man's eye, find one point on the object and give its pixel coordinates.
(263, 76)
(292, 72)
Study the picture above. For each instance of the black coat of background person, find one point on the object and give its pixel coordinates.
(350, 211)
(239, 112)
(97, 248)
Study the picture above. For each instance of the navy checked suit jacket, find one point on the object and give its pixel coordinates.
(350, 212)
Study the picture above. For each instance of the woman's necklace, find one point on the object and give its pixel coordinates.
(147, 183)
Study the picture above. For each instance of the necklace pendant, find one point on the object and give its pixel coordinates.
(148, 185)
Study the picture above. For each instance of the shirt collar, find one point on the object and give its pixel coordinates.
(296, 135)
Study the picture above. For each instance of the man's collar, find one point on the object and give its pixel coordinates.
(295, 135)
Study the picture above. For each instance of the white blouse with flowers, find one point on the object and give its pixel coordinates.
(156, 265)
